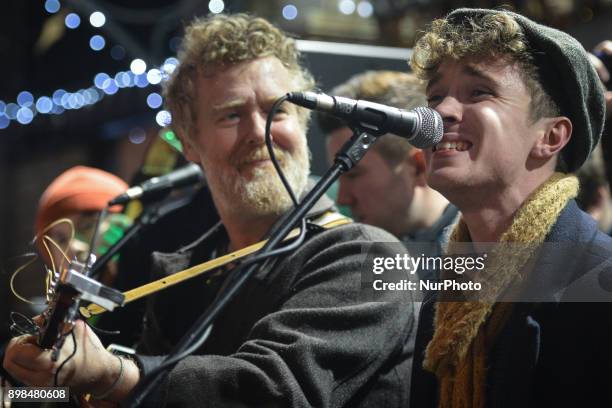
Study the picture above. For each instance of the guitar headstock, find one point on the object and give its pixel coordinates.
(72, 286)
(62, 312)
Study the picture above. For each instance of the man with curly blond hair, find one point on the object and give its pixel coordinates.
(521, 106)
(300, 333)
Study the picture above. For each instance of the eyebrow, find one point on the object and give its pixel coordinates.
(468, 69)
(240, 102)
(272, 99)
(229, 104)
(475, 72)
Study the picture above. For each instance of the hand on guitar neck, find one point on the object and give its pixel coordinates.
(92, 369)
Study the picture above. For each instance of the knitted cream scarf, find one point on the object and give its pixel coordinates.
(466, 331)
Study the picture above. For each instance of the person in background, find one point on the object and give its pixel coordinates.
(594, 196)
(388, 187)
(65, 220)
(78, 195)
(602, 60)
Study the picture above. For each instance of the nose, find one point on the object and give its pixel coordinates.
(450, 109)
(256, 129)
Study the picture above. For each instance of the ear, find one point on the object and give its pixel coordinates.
(416, 158)
(555, 135)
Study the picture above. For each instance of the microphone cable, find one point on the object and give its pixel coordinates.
(279, 171)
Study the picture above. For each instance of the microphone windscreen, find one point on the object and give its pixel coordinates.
(431, 128)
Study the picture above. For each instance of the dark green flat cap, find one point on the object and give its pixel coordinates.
(567, 75)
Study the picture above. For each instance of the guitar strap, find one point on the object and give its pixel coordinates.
(327, 220)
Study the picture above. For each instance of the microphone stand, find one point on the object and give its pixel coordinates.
(346, 158)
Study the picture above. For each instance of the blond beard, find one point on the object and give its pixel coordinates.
(261, 192)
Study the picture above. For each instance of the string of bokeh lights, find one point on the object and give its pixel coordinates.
(26, 106)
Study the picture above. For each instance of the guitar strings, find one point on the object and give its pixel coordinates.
(45, 239)
(21, 324)
(50, 274)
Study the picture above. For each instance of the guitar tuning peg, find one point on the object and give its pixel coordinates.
(92, 260)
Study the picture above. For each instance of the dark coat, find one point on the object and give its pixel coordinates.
(299, 334)
(550, 354)
(191, 214)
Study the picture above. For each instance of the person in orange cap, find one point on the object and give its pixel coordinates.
(77, 195)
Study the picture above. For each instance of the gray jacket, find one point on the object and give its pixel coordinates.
(301, 333)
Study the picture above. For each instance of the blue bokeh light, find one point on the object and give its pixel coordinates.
(86, 96)
(25, 98)
(52, 6)
(72, 101)
(4, 121)
(73, 20)
(76, 101)
(119, 79)
(57, 109)
(170, 65)
(57, 96)
(11, 110)
(128, 79)
(154, 100)
(99, 79)
(95, 95)
(80, 100)
(97, 42)
(65, 100)
(108, 82)
(137, 135)
(365, 9)
(290, 12)
(346, 6)
(111, 87)
(141, 81)
(25, 116)
(44, 104)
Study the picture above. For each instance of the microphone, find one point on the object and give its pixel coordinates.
(422, 126)
(189, 174)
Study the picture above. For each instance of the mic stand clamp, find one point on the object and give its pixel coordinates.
(354, 149)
